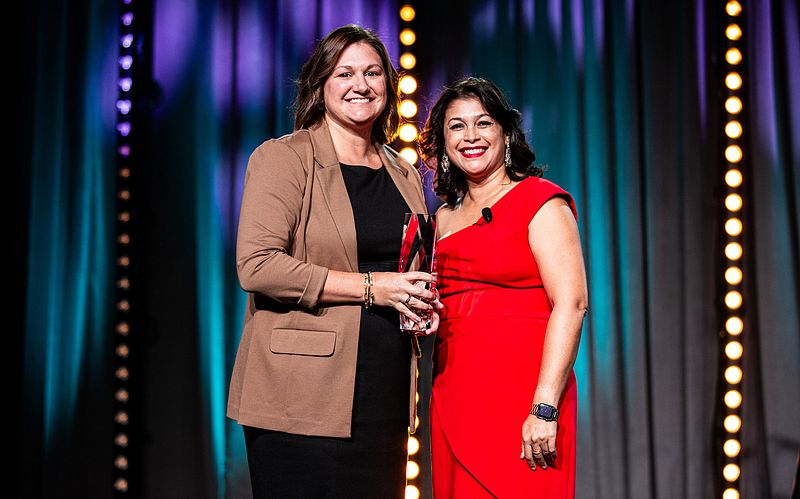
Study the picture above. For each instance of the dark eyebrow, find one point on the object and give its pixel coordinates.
(459, 118)
(350, 68)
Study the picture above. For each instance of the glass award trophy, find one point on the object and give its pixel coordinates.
(418, 252)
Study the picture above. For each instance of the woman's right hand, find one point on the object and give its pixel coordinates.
(399, 291)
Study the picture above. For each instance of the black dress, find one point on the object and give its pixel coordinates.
(372, 462)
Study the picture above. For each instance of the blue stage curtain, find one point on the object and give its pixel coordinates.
(66, 396)
(620, 100)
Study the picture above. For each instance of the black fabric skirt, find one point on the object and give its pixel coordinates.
(372, 462)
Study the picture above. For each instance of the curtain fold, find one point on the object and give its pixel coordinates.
(70, 281)
(621, 101)
(771, 437)
(226, 70)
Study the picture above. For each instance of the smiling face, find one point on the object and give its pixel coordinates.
(474, 141)
(355, 92)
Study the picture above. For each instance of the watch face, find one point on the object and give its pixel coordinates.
(545, 411)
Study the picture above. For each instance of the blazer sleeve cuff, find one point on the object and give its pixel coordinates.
(313, 289)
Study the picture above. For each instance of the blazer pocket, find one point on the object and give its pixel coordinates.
(302, 342)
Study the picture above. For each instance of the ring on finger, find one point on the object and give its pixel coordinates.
(407, 300)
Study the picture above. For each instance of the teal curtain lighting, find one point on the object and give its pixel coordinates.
(71, 240)
(621, 100)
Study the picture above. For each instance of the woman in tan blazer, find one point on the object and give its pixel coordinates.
(324, 380)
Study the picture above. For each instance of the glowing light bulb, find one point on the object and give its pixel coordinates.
(413, 446)
(412, 470)
(408, 108)
(121, 484)
(733, 81)
(412, 492)
(411, 156)
(408, 37)
(407, 13)
(733, 251)
(733, 300)
(126, 61)
(733, 275)
(732, 423)
(734, 350)
(730, 472)
(121, 395)
(734, 326)
(730, 494)
(733, 375)
(733, 226)
(408, 60)
(733, 32)
(733, 202)
(408, 85)
(121, 440)
(732, 447)
(121, 418)
(733, 105)
(733, 399)
(733, 56)
(733, 129)
(125, 84)
(733, 8)
(733, 178)
(733, 153)
(408, 132)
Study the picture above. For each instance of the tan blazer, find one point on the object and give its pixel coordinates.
(296, 363)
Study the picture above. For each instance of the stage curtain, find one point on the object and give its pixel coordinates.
(620, 100)
(225, 73)
(622, 103)
(772, 347)
(66, 148)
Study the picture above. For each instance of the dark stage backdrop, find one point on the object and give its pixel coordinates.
(621, 103)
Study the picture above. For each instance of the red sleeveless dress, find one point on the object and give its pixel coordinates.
(487, 358)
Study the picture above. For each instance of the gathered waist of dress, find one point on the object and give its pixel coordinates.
(496, 301)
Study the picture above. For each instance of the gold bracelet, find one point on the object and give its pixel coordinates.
(369, 297)
(365, 298)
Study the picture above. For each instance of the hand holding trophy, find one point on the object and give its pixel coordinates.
(418, 252)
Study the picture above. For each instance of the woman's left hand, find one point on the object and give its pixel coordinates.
(434, 321)
(539, 442)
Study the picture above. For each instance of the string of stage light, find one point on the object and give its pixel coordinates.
(124, 128)
(734, 252)
(408, 135)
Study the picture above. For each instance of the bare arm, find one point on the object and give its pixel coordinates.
(555, 243)
(390, 289)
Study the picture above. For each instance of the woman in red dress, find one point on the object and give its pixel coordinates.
(513, 285)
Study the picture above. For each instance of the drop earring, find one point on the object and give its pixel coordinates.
(445, 163)
(508, 155)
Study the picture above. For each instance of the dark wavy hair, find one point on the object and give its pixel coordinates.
(452, 184)
(310, 103)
